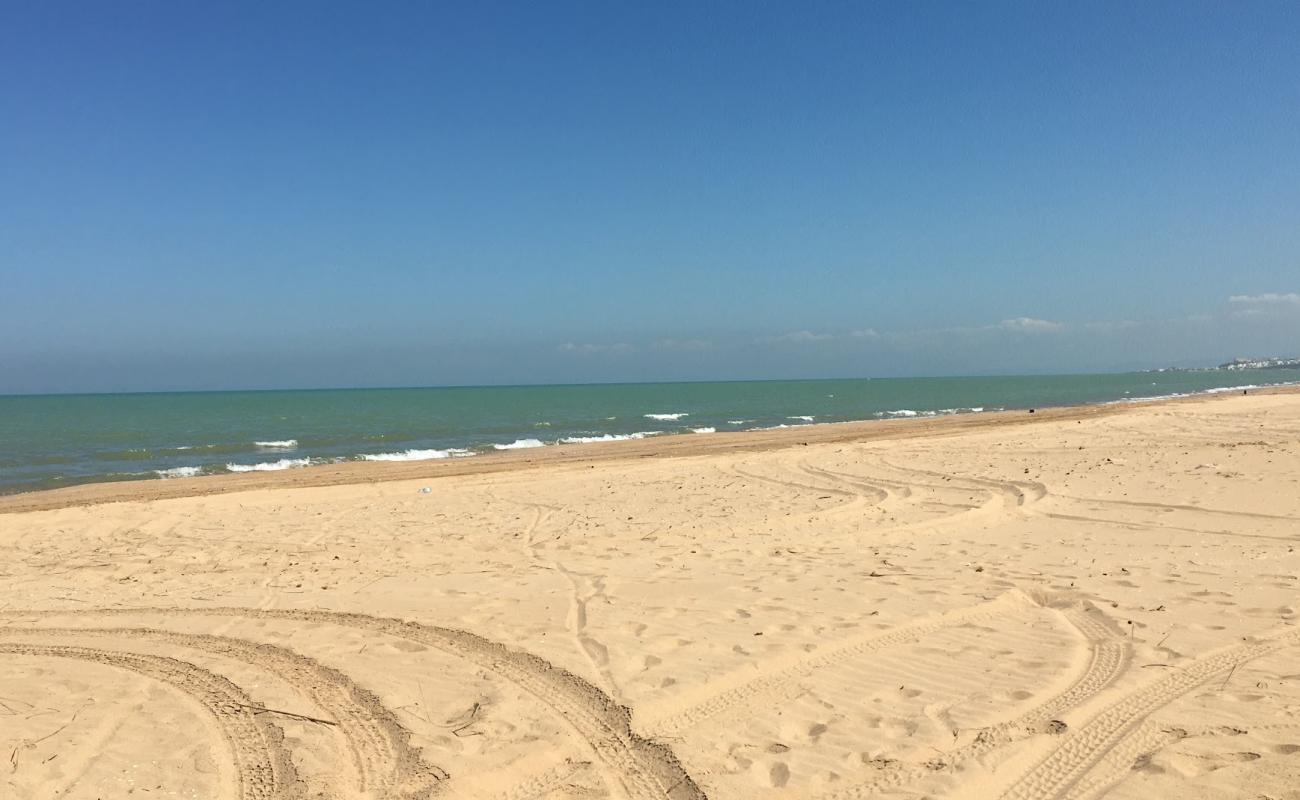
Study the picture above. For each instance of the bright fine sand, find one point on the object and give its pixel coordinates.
(1074, 604)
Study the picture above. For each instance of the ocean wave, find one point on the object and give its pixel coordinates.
(804, 417)
(211, 448)
(178, 472)
(1222, 389)
(666, 417)
(907, 413)
(704, 430)
(130, 454)
(608, 437)
(278, 444)
(520, 444)
(542, 424)
(270, 466)
(418, 455)
(1176, 395)
(739, 421)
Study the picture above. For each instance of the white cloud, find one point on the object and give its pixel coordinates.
(797, 337)
(1029, 325)
(1268, 304)
(865, 333)
(1106, 326)
(588, 349)
(682, 344)
(1266, 299)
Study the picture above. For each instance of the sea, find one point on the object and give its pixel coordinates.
(48, 441)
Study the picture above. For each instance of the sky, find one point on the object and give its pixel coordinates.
(281, 195)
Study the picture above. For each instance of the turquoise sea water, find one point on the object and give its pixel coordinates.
(59, 440)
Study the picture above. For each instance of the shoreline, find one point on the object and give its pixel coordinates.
(360, 472)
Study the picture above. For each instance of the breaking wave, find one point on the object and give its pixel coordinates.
(270, 466)
(178, 472)
(417, 455)
(608, 437)
(520, 444)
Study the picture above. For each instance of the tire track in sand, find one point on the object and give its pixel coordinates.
(782, 679)
(1107, 659)
(886, 494)
(537, 786)
(381, 754)
(263, 769)
(637, 767)
(855, 497)
(1016, 495)
(583, 589)
(1067, 771)
(903, 490)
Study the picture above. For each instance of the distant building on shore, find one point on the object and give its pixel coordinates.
(1261, 363)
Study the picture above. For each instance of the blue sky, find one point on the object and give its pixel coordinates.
(198, 195)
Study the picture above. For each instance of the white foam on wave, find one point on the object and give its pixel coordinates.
(902, 412)
(666, 417)
(278, 444)
(270, 466)
(704, 430)
(1175, 395)
(520, 444)
(418, 455)
(739, 421)
(1222, 389)
(804, 417)
(178, 472)
(608, 437)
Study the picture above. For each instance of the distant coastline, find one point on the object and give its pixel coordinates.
(1240, 364)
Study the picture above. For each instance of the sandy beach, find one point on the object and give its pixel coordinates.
(1080, 603)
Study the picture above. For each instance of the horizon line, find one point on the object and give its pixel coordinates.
(964, 376)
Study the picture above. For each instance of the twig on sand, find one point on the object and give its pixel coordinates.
(1224, 685)
(303, 717)
(372, 583)
(10, 710)
(465, 721)
(29, 744)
